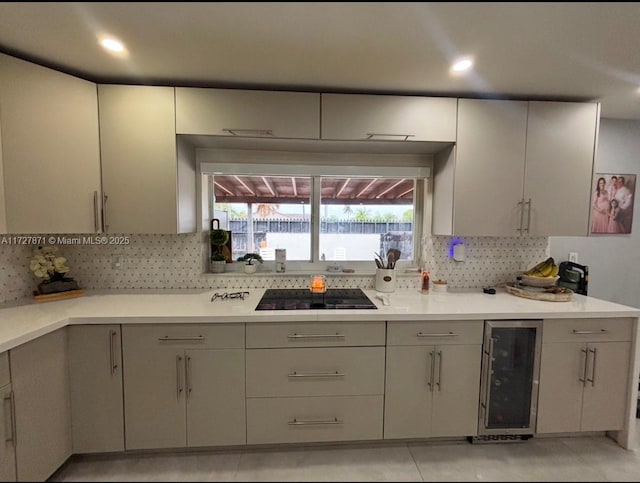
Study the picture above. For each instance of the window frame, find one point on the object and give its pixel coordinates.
(256, 163)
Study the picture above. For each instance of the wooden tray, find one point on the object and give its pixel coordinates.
(69, 294)
(560, 294)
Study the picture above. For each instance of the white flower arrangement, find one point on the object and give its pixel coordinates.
(45, 264)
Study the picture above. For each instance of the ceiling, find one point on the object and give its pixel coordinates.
(295, 189)
(558, 51)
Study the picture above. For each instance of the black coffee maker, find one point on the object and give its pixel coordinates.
(574, 277)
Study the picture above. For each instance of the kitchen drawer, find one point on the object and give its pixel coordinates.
(4, 369)
(315, 334)
(191, 336)
(310, 419)
(587, 330)
(436, 332)
(334, 371)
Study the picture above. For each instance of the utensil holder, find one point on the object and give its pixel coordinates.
(385, 280)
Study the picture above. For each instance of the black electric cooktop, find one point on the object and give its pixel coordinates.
(304, 299)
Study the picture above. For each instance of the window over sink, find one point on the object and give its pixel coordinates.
(321, 214)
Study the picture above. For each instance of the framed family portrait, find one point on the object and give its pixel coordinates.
(612, 203)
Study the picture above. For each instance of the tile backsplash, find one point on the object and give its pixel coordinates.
(177, 262)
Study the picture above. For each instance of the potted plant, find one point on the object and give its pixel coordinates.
(251, 261)
(218, 240)
(52, 269)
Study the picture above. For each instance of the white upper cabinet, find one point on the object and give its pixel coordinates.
(148, 177)
(388, 118)
(231, 112)
(560, 151)
(518, 168)
(489, 168)
(50, 150)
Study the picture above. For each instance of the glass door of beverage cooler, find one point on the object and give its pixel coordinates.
(510, 373)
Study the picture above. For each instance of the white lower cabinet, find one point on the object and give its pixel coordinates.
(583, 386)
(42, 409)
(309, 419)
(7, 423)
(316, 393)
(95, 377)
(110, 388)
(584, 369)
(215, 397)
(183, 385)
(432, 388)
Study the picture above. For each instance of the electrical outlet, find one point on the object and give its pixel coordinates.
(117, 262)
(573, 257)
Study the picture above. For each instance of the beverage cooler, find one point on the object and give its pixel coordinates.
(510, 373)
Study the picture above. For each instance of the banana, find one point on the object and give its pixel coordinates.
(547, 268)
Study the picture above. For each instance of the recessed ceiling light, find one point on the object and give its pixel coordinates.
(112, 44)
(461, 65)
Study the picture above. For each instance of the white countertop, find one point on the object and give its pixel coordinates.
(22, 323)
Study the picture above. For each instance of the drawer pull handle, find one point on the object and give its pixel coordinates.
(248, 132)
(312, 422)
(592, 332)
(167, 338)
(371, 135)
(448, 334)
(316, 374)
(316, 336)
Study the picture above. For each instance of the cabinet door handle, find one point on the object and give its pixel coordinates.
(431, 360)
(179, 375)
(112, 350)
(12, 411)
(593, 367)
(188, 370)
(246, 132)
(486, 382)
(10, 426)
(310, 422)
(96, 224)
(371, 135)
(439, 383)
(316, 336)
(315, 374)
(591, 332)
(528, 215)
(105, 226)
(521, 205)
(448, 334)
(583, 369)
(167, 338)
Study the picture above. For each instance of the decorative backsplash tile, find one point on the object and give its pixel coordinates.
(488, 261)
(177, 262)
(16, 281)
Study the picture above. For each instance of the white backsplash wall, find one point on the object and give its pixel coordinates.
(176, 262)
(488, 260)
(16, 281)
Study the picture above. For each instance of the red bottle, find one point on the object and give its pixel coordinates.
(425, 281)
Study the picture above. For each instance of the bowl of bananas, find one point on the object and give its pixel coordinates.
(544, 274)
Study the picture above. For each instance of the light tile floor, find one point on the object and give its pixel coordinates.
(539, 459)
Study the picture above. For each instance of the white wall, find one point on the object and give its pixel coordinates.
(3, 217)
(613, 260)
